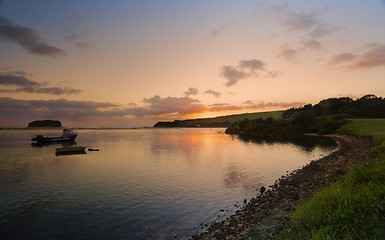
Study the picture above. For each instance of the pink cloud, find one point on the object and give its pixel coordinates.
(342, 58)
(288, 53)
(292, 54)
(373, 57)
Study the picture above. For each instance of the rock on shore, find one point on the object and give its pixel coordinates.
(264, 215)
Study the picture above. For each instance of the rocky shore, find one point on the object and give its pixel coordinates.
(263, 216)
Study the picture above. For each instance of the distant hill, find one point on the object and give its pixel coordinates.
(45, 123)
(222, 121)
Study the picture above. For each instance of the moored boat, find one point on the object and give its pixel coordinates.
(70, 150)
(67, 135)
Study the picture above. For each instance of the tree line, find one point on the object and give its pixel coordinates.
(323, 118)
(368, 106)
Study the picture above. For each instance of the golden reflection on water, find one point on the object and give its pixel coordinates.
(183, 157)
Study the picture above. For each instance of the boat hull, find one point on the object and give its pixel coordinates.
(70, 150)
(53, 139)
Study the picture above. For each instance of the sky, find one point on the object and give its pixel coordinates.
(132, 63)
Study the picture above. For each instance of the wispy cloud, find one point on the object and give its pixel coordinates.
(245, 69)
(220, 107)
(78, 19)
(288, 53)
(191, 91)
(312, 44)
(28, 38)
(250, 105)
(212, 92)
(22, 83)
(254, 65)
(372, 57)
(16, 79)
(157, 106)
(78, 37)
(262, 105)
(309, 22)
(217, 31)
(48, 90)
(292, 54)
(342, 58)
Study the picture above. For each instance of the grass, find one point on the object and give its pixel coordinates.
(374, 128)
(237, 117)
(354, 206)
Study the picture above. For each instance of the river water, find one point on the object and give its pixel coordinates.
(142, 184)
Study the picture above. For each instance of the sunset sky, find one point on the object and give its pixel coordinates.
(131, 63)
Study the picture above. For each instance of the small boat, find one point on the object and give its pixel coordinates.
(67, 135)
(93, 149)
(70, 150)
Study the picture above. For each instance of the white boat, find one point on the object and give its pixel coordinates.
(70, 150)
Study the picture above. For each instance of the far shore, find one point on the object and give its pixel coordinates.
(75, 128)
(96, 128)
(264, 216)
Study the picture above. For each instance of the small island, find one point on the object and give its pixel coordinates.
(45, 123)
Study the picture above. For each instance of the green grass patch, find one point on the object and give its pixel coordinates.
(374, 128)
(354, 206)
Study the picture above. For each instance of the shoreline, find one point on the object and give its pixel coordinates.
(264, 215)
(74, 128)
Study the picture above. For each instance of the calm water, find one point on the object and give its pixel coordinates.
(142, 184)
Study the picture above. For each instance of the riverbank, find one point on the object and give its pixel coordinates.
(263, 216)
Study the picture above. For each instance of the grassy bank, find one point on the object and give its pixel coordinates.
(354, 206)
(374, 128)
(221, 121)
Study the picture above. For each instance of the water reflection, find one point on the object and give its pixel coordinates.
(62, 144)
(306, 143)
(71, 153)
(236, 177)
(143, 184)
